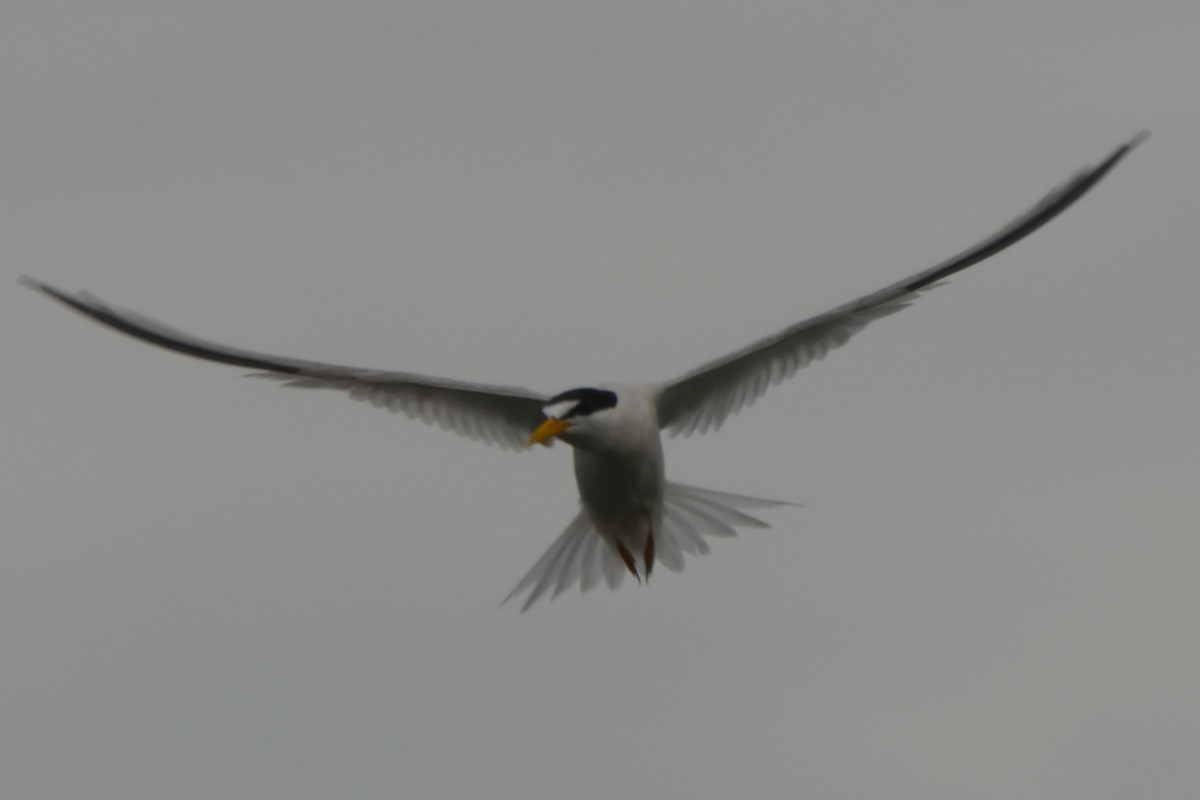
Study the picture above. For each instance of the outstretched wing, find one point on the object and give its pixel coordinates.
(494, 414)
(704, 398)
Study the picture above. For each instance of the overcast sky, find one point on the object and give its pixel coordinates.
(212, 587)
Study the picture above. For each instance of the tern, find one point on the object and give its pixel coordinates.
(630, 515)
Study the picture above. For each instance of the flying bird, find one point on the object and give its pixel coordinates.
(630, 516)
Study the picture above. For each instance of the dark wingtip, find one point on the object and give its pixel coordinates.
(1121, 152)
(56, 294)
(148, 332)
(37, 286)
(1093, 175)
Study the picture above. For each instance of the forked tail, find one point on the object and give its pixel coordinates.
(580, 555)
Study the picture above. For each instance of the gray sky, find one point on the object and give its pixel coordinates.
(213, 587)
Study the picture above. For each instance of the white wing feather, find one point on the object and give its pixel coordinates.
(493, 414)
(704, 398)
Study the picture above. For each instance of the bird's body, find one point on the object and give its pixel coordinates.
(621, 475)
(631, 516)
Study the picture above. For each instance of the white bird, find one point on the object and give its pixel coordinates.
(630, 515)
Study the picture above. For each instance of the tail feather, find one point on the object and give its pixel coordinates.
(726, 514)
(561, 564)
(592, 563)
(725, 498)
(690, 540)
(580, 555)
(570, 567)
(707, 523)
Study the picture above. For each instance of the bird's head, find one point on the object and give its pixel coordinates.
(573, 415)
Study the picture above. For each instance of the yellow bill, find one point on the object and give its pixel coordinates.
(547, 431)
